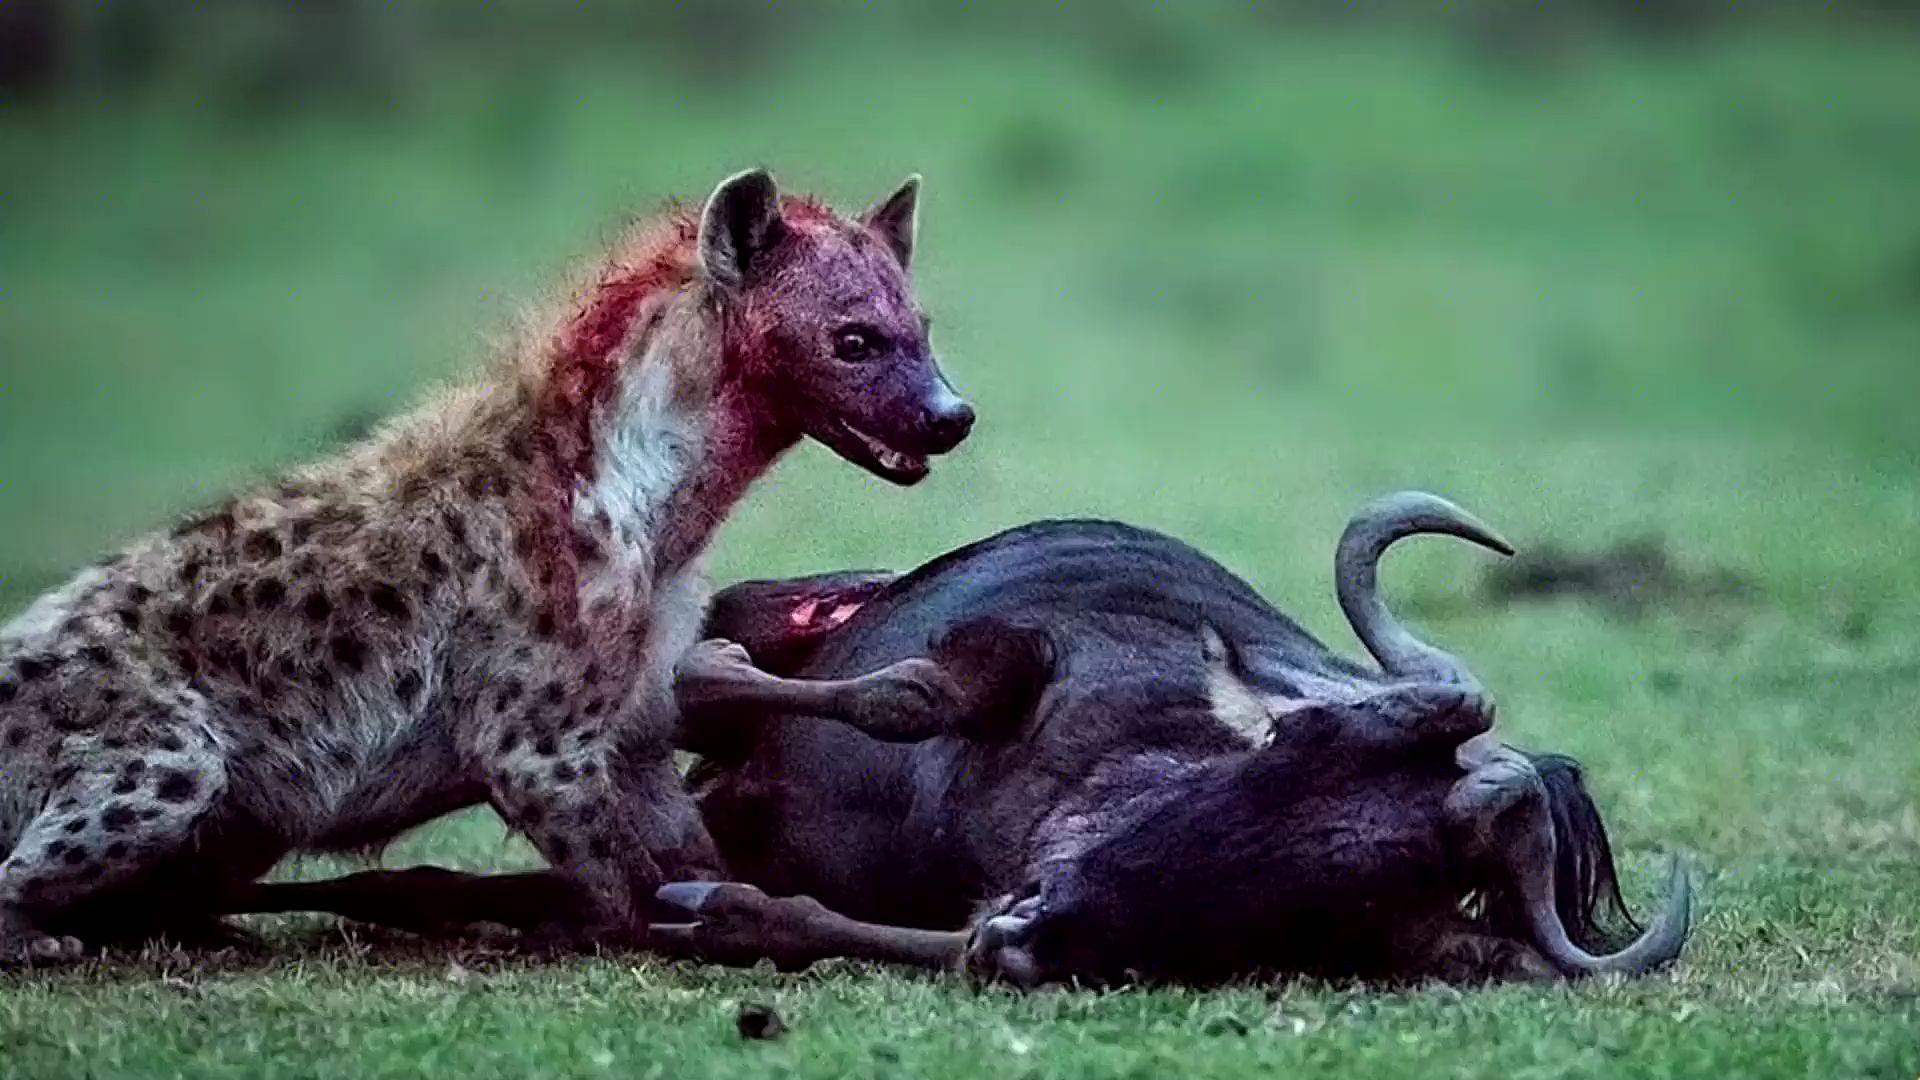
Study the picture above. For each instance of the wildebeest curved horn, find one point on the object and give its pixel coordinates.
(1657, 947)
(1368, 535)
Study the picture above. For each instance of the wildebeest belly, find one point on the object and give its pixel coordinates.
(824, 811)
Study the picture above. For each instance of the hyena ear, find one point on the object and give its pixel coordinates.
(898, 219)
(741, 221)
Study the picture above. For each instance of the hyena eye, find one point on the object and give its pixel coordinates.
(857, 344)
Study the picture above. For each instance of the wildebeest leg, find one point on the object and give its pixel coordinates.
(426, 899)
(981, 680)
(737, 924)
(716, 681)
(740, 925)
(1399, 716)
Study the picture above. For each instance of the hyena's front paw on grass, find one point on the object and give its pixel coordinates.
(28, 950)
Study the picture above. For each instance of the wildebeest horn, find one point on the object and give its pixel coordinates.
(1368, 535)
(1657, 947)
(1501, 819)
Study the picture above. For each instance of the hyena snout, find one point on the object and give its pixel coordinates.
(890, 419)
(945, 418)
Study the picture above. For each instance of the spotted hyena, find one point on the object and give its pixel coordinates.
(481, 603)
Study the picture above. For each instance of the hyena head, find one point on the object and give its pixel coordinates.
(821, 320)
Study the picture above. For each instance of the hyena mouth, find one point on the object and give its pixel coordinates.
(875, 456)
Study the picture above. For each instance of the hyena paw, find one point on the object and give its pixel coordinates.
(39, 951)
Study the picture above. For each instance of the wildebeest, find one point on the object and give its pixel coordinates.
(1083, 750)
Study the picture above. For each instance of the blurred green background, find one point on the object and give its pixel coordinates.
(1222, 268)
(1598, 271)
(1601, 271)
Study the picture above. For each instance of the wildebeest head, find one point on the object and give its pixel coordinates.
(1385, 834)
(1275, 861)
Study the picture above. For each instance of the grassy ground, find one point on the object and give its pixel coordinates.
(1230, 291)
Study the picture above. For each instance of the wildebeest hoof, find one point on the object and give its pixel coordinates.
(1432, 711)
(1477, 751)
(40, 951)
(715, 660)
(739, 925)
(690, 896)
(1481, 806)
(1002, 947)
(1502, 778)
(911, 699)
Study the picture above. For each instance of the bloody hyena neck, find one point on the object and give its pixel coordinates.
(644, 432)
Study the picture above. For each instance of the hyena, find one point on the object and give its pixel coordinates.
(481, 603)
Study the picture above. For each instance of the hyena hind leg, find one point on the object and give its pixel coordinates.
(107, 824)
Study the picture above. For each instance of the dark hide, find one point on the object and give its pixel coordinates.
(1157, 839)
(918, 834)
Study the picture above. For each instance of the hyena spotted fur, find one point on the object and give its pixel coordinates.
(481, 603)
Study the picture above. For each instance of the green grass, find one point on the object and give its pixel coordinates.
(1671, 291)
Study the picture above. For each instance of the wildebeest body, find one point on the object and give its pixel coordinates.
(919, 833)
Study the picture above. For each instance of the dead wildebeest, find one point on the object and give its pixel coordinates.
(1156, 773)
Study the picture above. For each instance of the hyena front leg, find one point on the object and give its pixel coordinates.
(615, 818)
(110, 816)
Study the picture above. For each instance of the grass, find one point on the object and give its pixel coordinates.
(1664, 291)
